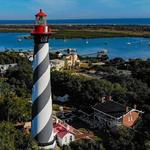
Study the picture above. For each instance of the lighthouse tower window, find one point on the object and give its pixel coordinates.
(40, 20)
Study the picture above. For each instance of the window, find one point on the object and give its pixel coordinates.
(129, 119)
(40, 20)
(70, 138)
(65, 139)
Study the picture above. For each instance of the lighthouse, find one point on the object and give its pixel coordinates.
(42, 123)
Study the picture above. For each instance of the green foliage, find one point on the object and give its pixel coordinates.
(25, 142)
(18, 109)
(118, 62)
(13, 139)
(10, 58)
(142, 74)
(147, 145)
(107, 69)
(7, 136)
(121, 139)
(83, 90)
(140, 69)
(13, 108)
(20, 79)
(86, 31)
(146, 119)
(137, 91)
(84, 144)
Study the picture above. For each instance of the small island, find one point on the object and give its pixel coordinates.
(86, 31)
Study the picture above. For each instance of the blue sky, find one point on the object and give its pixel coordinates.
(75, 9)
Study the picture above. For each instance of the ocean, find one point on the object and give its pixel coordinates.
(125, 47)
(131, 21)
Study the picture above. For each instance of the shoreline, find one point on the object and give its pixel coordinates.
(84, 31)
(30, 52)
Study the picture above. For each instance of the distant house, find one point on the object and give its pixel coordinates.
(71, 60)
(109, 113)
(5, 67)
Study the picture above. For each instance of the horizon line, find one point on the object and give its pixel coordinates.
(76, 19)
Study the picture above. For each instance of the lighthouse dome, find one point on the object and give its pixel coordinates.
(41, 14)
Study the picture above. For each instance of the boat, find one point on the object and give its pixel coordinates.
(19, 40)
(129, 43)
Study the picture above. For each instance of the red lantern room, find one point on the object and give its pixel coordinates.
(41, 26)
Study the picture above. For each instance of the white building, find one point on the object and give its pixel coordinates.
(71, 60)
(57, 64)
(64, 134)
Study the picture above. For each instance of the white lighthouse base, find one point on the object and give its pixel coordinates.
(50, 147)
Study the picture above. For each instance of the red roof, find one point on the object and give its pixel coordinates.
(60, 130)
(62, 134)
(41, 14)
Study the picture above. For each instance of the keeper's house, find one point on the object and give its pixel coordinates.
(109, 113)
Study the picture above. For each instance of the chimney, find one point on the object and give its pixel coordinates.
(109, 98)
(61, 108)
(127, 109)
(135, 106)
(103, 99)
(68, 127)
(57, 121)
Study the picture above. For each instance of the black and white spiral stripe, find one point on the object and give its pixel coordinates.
(42, 128)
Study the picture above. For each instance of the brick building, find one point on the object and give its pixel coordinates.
(109, 113)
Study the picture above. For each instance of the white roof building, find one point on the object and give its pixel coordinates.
(64, 135)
